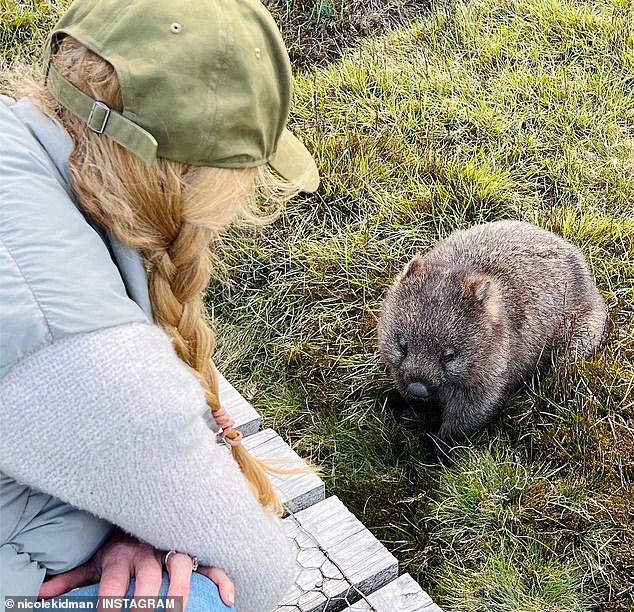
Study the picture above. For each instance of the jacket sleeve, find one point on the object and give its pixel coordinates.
(110, 422)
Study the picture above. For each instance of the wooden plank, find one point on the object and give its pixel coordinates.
(297, 491)
(401, 595)
(247, 420)
(354, 561)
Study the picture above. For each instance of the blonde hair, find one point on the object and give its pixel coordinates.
(169, 212)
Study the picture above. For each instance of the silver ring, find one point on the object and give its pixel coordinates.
(168, 554)
(166, 557)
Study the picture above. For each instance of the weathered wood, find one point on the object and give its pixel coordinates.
(247, 420)
(401, 595)
(355, 561)
(297, 491)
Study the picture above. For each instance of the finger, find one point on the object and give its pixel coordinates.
(179, 568)
(149, 576)
(222, 581)
(61, 583)
(115, 579)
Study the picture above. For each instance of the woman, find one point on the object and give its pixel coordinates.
(160, 123)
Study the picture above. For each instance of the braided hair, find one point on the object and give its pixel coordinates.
(169, 212)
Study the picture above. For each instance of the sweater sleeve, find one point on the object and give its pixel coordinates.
(110, 422)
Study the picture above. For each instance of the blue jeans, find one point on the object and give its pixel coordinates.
(203, 594)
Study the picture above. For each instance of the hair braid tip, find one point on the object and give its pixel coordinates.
(255, 472)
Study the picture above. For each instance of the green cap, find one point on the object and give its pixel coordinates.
(207, 82)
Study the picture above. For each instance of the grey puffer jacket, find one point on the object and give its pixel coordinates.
(96, 408)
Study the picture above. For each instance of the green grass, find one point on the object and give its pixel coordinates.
(24, 25)
(316, 31)
(481, 110)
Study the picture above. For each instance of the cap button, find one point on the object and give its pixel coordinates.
(176, 28)
(258, 53)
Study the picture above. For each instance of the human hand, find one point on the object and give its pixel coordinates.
(123, 557)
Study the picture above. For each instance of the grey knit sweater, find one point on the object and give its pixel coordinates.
(110, 421)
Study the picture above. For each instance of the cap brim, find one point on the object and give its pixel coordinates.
(293, 162)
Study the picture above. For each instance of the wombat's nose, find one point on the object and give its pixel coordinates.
(418, 389)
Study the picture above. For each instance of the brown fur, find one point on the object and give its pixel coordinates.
(481, 312)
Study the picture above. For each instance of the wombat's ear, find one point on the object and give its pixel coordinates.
(482, 289)
(415, 266)
(477, 286)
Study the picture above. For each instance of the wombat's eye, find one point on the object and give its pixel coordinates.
(402, 344)
(448, 356)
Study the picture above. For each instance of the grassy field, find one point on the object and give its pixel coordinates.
(482, 110)
(479, 110)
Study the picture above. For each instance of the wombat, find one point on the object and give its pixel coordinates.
(481, 312)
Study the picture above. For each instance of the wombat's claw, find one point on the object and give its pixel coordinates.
(393, 402)
(439, 451)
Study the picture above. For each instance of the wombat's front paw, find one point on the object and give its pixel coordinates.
(398, 407)
(437, 450)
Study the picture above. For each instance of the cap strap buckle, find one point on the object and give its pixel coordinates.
(98, 118)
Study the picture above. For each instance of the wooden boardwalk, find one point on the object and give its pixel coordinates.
(341, 565)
